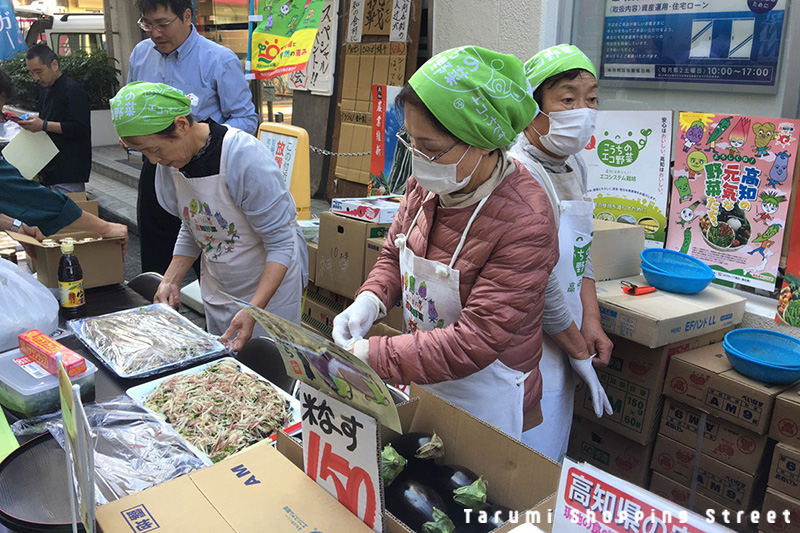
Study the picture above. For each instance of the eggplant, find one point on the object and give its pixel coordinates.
(418, 506)
(422, 446)
(392, 463)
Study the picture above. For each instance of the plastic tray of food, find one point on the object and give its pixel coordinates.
(220, 407)
(146, 341)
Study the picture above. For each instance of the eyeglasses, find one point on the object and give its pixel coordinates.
(150, 27)
(417, 152)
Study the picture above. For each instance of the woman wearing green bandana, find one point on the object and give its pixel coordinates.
(565, 87)
(470, 250)
(235, 208)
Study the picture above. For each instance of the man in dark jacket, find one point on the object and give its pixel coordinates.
(64, 113)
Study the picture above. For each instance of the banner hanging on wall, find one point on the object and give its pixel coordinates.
(281, 36)
(11, 39)
(730, 195)
(627, 162)
(317, 75)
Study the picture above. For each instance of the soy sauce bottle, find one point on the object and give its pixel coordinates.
(70, 283)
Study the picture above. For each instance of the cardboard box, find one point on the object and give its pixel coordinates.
(378, 209)
(247, 492)
(787, 510)
(101, 260)
(318, 317)
(634, 380)
(312, 261)
(737, 490)
(90, 206)
(610, 451)
(722, 440)
(785, 426)
(663, 317)
(372, 250)
(616, 250)
(784, 475)
(703, 378)
(340, 258)
(679, 493)
(43, 350)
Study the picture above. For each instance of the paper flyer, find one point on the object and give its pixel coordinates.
(730, 193)
(627, 162)
(320, 363)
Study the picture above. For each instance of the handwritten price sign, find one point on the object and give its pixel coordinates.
(341, 453)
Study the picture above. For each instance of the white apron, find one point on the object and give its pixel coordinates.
(558, 382)
(431, 299)
(233, 255)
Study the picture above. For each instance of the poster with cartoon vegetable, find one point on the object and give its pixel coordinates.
(789, 297)
(730, 193)
(627, 161)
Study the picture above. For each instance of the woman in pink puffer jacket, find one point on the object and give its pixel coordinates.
(470, 250)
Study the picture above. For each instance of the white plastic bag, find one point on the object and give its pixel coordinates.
(26, 304)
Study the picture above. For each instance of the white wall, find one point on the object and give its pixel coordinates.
(518, 27)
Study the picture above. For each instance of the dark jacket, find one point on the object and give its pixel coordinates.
(66, 102)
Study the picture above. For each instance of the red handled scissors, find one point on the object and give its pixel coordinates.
(635, 290)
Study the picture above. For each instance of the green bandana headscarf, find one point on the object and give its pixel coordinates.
(480, 96)
(555, 60)
(142, 108)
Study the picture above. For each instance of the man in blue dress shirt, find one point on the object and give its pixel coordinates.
(210, 74)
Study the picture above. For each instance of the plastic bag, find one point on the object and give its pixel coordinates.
(27, 305)
(133, 449)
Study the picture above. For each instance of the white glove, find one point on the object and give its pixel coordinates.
(354, 322)
(587, 373)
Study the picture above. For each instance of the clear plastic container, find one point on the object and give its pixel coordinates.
(29, 390)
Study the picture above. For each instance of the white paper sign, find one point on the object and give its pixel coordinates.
(30, 152)
(283, 148)
(355, 21)
(341, 452)
(592, 500)
(627, 161)
(400, 15)
(317, 75)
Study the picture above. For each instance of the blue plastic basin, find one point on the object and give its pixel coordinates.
(763, 346)
(761, 372)
(672, 282)
(675, 263)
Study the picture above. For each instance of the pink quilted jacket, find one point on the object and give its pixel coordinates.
(504, 265)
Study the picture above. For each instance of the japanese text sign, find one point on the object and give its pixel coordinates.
(589, 499)
(627, 162)
(317, 75)
(283, 148)
(341, 453)
(730, 196)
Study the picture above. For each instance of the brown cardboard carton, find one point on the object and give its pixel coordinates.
(786, 513)
(663, 317)
(350, 74)
(679, 493)
(703, 378)
(101, 260)
(785, 425)
(610, 451)
(256, 490)
(634, 380)
(737, 490)
(722, 440)
(340, 258)
(90, 206)
(372, 250)
(616, 250)
(784, 475)
(312, 260)
(318, 317)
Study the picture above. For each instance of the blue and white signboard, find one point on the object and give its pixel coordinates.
(704, 41)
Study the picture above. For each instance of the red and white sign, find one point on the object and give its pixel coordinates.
(378, 209)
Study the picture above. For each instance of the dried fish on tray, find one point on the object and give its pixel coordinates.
(220, 407)
(146, 340)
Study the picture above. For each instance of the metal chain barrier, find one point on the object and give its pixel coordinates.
(328, 153)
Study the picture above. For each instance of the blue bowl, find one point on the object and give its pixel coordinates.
(671, 282)
(765, 347)
(759, 371)
(676, 263)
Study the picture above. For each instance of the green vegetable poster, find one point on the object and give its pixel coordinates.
(789, 298)
(627, 160)
(730, 193)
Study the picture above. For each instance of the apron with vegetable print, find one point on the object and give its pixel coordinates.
(232, 253)
(558, 383)
(431, 299)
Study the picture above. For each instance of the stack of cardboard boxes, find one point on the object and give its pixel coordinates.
(783, 482)
(647, 332)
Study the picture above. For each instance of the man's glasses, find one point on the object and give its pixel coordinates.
(417, 152)
(150, 27)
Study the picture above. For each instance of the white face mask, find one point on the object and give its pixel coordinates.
(437, 178)
(570, 131)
